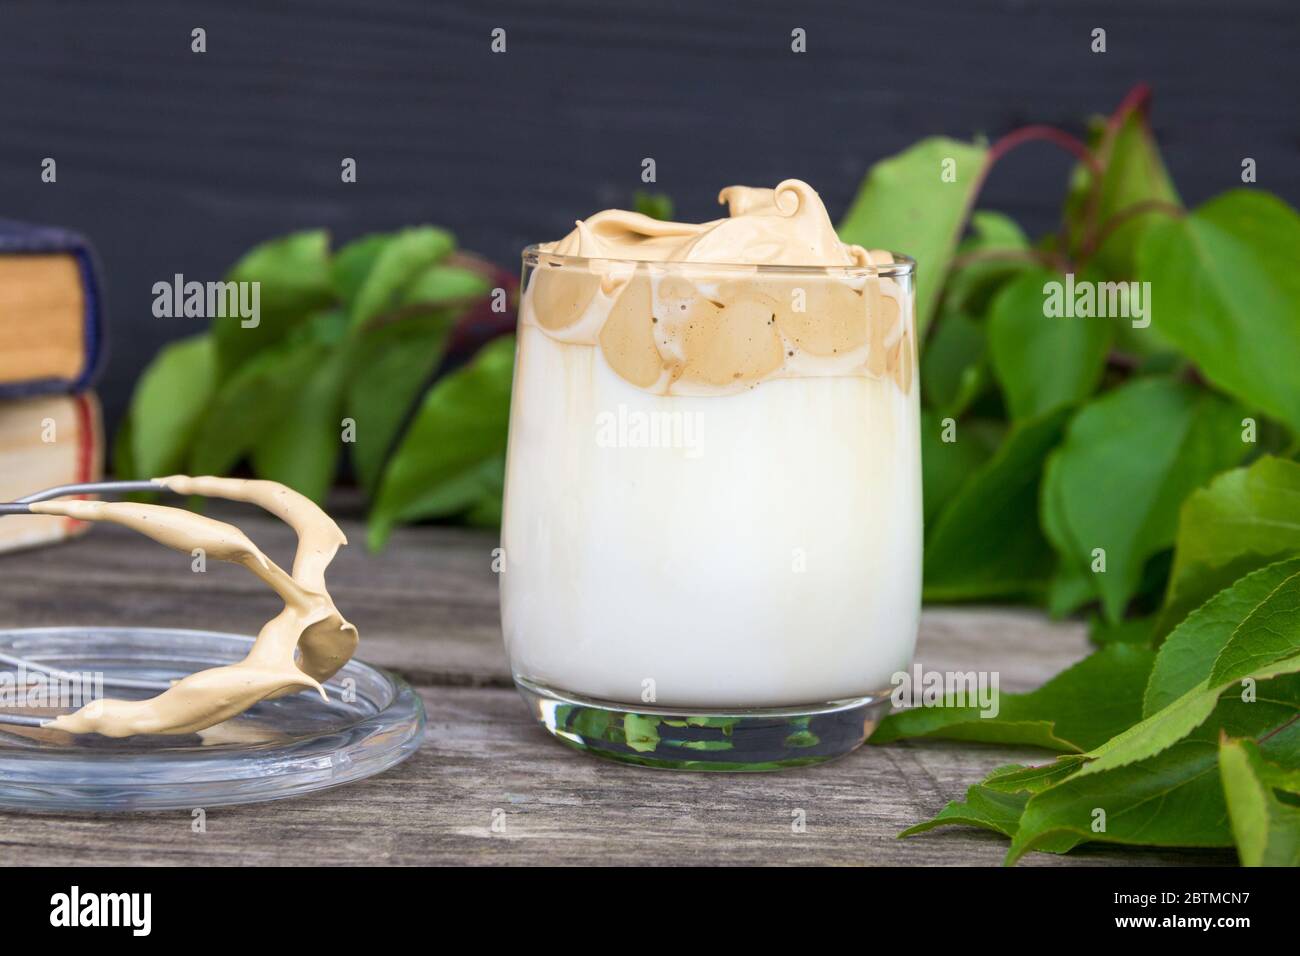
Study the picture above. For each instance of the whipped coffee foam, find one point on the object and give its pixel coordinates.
(774, 557)
(785, 226)
(682, 309)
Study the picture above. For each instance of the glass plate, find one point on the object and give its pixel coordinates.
(280, 748)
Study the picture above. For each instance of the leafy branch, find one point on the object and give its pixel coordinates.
(343, 352)
(1135, 471)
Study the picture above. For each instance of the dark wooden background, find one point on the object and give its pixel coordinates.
(176, 162)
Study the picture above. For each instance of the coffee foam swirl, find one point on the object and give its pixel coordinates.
(680, 308)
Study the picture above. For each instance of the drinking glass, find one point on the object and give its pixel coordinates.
(712, 527)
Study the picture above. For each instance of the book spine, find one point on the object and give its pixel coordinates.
(93, 329)
(89, 450)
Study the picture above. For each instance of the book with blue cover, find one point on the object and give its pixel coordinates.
(51, 311)
(51, 346)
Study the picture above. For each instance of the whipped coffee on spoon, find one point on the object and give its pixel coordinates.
(302, 646)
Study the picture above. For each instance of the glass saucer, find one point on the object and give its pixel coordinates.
(279, 748)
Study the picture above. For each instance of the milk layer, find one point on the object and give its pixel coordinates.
(761, 548)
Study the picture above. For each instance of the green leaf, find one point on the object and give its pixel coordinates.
(990, 810)
(167, 408)
(655, 205)
(1264, 645)
(986, 541)
(1069, 589)
(995, 251)
(463, 493)
(393, 363)
(1132, 173)
(1173, 798)
(458, 438)
(1244, 519)
(1266, 642)
(1064, 714)
(1128, 460)
(1150, 736)
(257, 396)
(1266, 830)
(953, 371)
(301, 449)
(994, 231)
(1016, 779)
(1278, 777)
(353, 262)
(294, 282)
(1226, 291)
(946, 466)
(1073, 584)
(445, 285)
(1134, 630)
(1043, 362)
(904, 205)
(378, 273)
(488, 509)
(1188, 654)
(474, 493)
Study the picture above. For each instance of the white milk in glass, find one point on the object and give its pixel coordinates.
(713, 494)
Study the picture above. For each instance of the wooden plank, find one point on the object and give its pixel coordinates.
(483, 754)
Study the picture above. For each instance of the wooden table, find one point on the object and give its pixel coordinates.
(427, 608)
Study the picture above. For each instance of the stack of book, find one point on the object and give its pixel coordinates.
(51, 338)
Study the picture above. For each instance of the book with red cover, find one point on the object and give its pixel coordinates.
(45, 441)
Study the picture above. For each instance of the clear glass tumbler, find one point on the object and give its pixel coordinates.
(712, 529)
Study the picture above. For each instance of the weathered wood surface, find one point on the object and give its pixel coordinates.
(427, 608)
